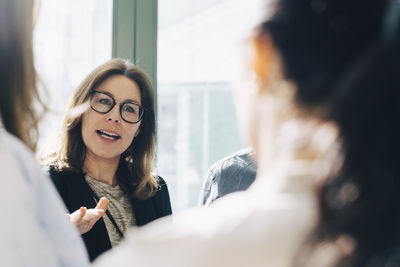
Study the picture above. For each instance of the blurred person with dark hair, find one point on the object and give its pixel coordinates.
(34, 230)
(324, 128)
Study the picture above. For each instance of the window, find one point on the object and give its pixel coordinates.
(200, 51)
(71, 38)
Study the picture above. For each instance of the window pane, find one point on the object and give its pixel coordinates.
(200, 54)
(71, 38)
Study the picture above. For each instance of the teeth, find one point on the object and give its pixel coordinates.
(108, 135)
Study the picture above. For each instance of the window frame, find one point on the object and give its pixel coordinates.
(134, 34)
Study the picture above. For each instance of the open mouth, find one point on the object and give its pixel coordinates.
(108, 135)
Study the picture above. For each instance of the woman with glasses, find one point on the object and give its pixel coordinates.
(106, 154)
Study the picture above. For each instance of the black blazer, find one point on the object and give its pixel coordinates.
(76, 193)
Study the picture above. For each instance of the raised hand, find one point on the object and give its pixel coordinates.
(84, 218)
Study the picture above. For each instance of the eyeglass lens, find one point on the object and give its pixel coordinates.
(103, 103)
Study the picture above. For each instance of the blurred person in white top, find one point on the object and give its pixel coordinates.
(34, 230)
(324, 126)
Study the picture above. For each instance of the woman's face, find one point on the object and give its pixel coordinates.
(107, 136)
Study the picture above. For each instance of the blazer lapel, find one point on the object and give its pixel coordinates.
(143, 210)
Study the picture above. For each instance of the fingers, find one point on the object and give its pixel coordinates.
(82, 212)
(103, 204)
(84, 218)
(77, 215)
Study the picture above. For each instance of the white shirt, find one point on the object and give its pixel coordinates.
(34, 230)
(263, 226)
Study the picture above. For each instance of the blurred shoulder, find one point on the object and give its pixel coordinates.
(239, 159)
(12, 146)
(16, 157)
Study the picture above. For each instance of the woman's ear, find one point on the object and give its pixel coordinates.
(265, 58)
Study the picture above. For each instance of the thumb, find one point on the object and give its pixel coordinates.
(103, 204)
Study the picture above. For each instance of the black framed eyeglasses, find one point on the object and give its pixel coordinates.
(102, 102)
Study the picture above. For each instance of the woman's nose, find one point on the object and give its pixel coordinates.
(114, 115)
(116, 120)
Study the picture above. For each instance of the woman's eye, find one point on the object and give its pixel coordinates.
(105, 101)
(129, 109)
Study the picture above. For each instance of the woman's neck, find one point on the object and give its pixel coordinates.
(103, 170)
